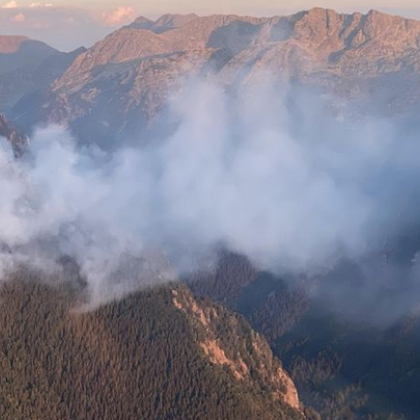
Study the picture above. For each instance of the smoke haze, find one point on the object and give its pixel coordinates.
(273, 173)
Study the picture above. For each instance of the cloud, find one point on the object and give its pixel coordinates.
(51, 24)
(10, 5)
(32, 5)
(18, 18)
(119, 16)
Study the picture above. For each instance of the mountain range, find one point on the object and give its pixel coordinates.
(120, 86)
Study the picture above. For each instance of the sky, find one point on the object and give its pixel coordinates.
(69, 24)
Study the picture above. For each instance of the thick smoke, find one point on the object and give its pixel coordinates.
(272, 173)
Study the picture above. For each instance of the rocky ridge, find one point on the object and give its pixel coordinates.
(372, 59)
(243, 351)
(119, 88)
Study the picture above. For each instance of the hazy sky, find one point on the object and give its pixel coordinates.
(230, 6)
(68, 24)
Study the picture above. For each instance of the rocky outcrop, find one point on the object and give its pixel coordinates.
(228, 341)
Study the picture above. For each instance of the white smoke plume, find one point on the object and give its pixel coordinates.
(270, 173)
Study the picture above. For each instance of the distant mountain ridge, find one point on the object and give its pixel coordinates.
(372, 60)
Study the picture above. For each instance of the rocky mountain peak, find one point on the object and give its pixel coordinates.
(164, 23)
(142, 23)
(315, 25)
(320, 13)
(169, 21)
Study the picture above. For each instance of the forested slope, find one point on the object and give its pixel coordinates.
(149, 356)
